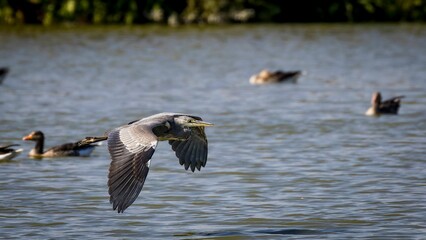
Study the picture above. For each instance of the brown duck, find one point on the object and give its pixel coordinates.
(390, 106)
(81, 148)
(266, 76)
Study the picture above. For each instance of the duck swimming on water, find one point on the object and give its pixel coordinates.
(390, 106)
(81, 148)
(7, 153)
(266, 76)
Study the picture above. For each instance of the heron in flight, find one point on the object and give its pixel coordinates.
(132, 146)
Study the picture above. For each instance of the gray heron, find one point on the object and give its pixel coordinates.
(131, 147)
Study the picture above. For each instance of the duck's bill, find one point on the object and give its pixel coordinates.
(28, 137)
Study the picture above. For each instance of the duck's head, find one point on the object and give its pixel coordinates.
(34, 136)
(264, 74)
(376, 99)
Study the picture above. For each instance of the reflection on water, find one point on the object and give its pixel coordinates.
(284, 160)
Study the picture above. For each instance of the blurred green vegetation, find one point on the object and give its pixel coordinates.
(175, 12)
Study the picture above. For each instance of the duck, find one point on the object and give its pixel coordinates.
(82, 148)
(266, 76)
(3, 73)
(390, 106)
(7, 153)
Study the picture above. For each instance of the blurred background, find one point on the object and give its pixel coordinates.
(292, 161)
(48, 12)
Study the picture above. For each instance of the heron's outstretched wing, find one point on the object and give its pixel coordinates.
(131, 148)
(192, 152)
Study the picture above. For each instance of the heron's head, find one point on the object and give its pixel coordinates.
(189, 121)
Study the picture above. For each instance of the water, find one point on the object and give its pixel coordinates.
(285, 161)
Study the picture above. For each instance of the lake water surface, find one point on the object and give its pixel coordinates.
(295, 161)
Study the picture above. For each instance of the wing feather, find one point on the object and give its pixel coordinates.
(192, 152)
(197, 155)
(189, 158)
(131, 148)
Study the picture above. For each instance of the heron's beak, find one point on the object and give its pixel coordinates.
(199, 123)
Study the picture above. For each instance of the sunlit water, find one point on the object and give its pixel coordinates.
(285, 161)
